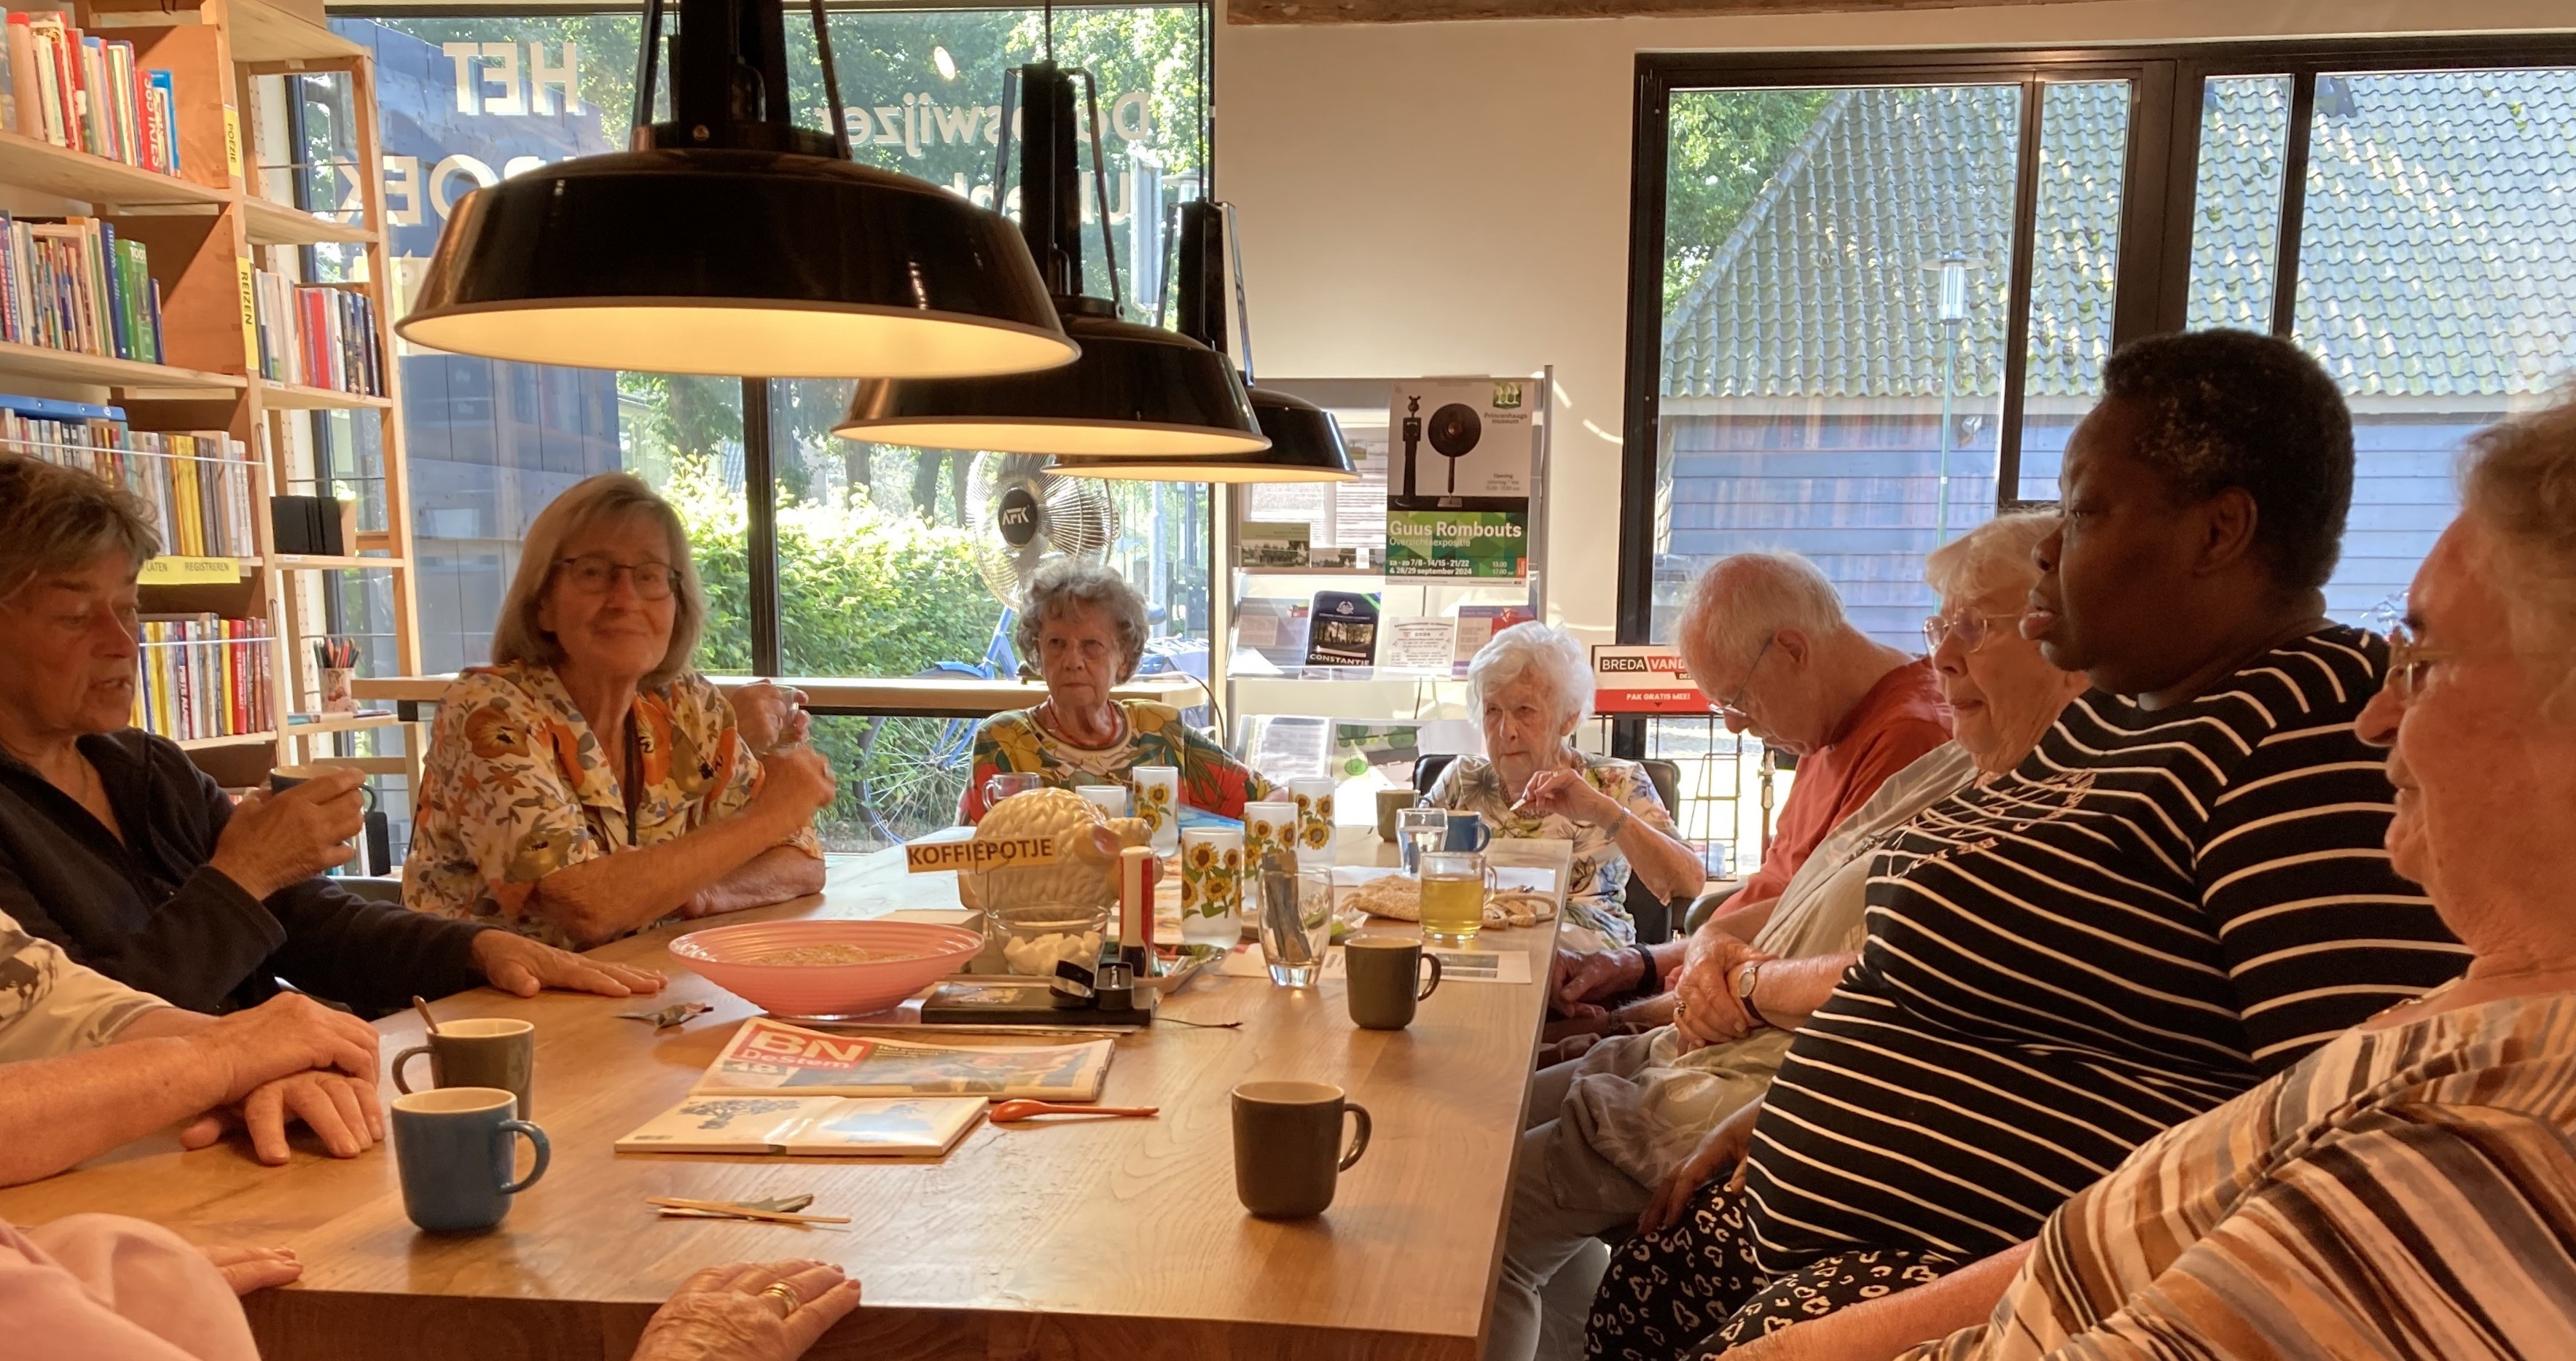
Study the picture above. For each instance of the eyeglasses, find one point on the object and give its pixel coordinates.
(591, 574)
(1735, 704)
(1972, 630)
(2410, 663)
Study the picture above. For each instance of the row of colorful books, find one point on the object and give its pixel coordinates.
(196, 485)
(70, 284)
(316, 335)
(203, 675)
(77, 90)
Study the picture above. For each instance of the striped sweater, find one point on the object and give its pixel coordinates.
(2407, 1192)
(2150, 914)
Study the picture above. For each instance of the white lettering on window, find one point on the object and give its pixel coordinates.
(464, 55)
(565, 77)
(462, 164)
(509, 101)
(402, 182)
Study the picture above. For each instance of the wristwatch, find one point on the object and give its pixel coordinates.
(1746, 977)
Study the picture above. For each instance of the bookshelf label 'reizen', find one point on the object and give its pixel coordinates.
(243, 270)
(169, 571)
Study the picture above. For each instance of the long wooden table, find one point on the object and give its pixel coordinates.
(1109, 1239)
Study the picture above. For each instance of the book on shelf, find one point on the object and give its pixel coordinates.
(316, 335)
(814, 1126)
(773, 1058)
(77, 90)
(195, 486)
(69, 284)
(203, 675)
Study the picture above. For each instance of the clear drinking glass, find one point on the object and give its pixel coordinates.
(1009, 782)
(1418, 830)
(1211, 886)
(1294, 933)
(1454, 886)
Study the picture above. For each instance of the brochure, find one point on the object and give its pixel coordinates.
(817, 1126)
(767, 1058)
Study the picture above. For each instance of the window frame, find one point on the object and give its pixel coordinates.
(2152, 286)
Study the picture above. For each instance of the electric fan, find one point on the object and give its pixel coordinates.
(1022, 516)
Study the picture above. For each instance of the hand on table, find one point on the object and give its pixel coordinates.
(273, 840)
(283, 1036)
(1720, 1151)
(1567, 792)
(515, 964)
(770, 715)
(721, 1314)
(342, 1112)
(247, 1269)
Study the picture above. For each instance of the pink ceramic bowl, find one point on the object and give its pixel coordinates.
(725, 955)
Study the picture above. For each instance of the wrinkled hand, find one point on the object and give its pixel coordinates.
(1720, 1152)
(342, 1111)
(1705, 1009)
(247, 1269)
(283, 1036)
(795, 782)
(273, 840)
(515, 964)
(1567, 792)
(770, 715)
(719, 1314)
(1594, 976)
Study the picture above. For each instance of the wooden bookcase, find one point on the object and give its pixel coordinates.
(206, 229)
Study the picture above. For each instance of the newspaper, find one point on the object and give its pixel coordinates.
(767, 1056)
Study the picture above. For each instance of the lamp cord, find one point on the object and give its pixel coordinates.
(831, 82)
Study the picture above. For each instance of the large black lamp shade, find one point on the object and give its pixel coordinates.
(1305, 446)
(732, 242)
(1136, 391)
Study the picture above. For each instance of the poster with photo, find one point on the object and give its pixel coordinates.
(1462, 458)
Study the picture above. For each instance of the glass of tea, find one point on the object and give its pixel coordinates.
(1454, 887)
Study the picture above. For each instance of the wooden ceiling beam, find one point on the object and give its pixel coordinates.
(1429, 11)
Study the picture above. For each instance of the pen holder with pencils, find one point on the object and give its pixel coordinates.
(336, 698)
(335, 662)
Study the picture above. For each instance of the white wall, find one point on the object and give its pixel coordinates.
(1452, 198)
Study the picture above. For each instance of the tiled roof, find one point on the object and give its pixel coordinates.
(2439, 256)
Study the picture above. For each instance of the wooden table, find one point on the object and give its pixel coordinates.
(1114, 1239)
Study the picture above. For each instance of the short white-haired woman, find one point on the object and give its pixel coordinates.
(589, 783)
(1529, 688)
(1084, 629)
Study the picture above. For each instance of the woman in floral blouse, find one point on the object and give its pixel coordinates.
(589, 784)
(1084, 629)
(1529, 687)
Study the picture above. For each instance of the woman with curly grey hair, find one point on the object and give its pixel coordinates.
(1084, 629)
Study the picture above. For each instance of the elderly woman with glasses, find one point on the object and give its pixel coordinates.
(589, 784)
(1529, 687)
(2181, 892)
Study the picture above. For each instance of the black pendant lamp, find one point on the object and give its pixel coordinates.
(1136, 390)
(1305, 441)
(730, 241)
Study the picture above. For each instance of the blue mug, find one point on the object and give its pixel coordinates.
(1467, 832)
(454, 1147)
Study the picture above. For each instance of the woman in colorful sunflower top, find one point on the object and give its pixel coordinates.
(1084, 630)
(589, 783)
(1529, 687)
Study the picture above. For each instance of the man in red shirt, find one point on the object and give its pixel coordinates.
(1765, 636)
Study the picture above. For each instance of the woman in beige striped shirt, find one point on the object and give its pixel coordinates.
(2409, 1190)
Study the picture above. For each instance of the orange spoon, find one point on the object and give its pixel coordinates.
(1010, 1112)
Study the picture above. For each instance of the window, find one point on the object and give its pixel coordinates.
(880, 570)
(1878, 292)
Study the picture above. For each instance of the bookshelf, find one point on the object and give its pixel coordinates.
(209, 226)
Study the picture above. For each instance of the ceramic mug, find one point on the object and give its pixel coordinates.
(454, 1148)
(1467, 831)
(1314, 800)
(1384, 979)
(491, 1051)
(1288, 1151)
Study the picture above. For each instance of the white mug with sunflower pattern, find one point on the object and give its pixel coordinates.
(1158, 802)
(1314, 799)
(1211, 886)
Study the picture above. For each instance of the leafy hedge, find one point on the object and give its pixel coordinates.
(861, 592)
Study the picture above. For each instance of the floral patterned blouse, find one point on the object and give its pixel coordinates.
(516, 786)
(1155, 736)
(1600, 884)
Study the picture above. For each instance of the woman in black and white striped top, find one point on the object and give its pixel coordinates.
(2180, 892)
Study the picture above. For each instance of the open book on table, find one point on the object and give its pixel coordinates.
(828, 1126)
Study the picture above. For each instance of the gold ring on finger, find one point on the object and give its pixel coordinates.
(786, 1296)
